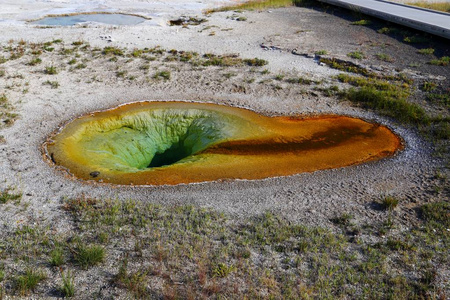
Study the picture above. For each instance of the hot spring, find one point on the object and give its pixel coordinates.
(156, 143)
(106, 18)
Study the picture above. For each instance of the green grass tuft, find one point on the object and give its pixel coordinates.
(428, 86)
(51, 70)
(133, 282)
(27, 282)
(7, 195)
(112, 51)
(426, 51)
(416, 39)
(389, 203)
(162, 74)
(57, 257)
(321, 52)
(52, 84)
(68, 287)
(356, 55)
(34, 61)
(88, 256)
(384, 57)
(361, 22)
(443, 61)
(222, 270)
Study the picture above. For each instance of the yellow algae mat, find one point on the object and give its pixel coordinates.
(155, 143)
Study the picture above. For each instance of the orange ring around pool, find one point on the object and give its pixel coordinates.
(157, 143)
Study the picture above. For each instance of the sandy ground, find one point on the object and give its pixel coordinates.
(312, 198)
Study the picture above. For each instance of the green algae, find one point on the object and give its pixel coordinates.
(154, 138)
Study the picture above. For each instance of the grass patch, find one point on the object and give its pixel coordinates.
(230, 61)
(384, 57)
(254, 5)
(386, 97)
(437, 213)
(440, 98)
(7, 117)
(50, 70)
(388, 103)
(7, 195)
(88, 256)
(52, 84)
(57, 257)
(264, 4)
(162, 74)
(356, 55)
(389, 202)
(34, 61)
(195, 252)
(67, 288)
(255, 62)
(362, 23)
(80, 66)
(112, 51)
(300, 80)
(440, 6)
(321, 52)
(443, 61)
(27, 282)
(346, 66)
(121, 74)
(426, 51)
(416, 39)
(223, 270)
(428, 86)
(133, 282)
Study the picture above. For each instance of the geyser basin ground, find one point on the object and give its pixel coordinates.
(154, 143)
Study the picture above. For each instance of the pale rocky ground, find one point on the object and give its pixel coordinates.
(311, 198)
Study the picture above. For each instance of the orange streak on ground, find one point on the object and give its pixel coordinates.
(290, 145)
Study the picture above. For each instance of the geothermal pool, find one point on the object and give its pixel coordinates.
(70, 20)
(157, 143)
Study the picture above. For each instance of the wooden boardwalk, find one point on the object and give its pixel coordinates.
(434, 22)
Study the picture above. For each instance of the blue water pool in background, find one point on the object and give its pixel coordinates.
(113, 19)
